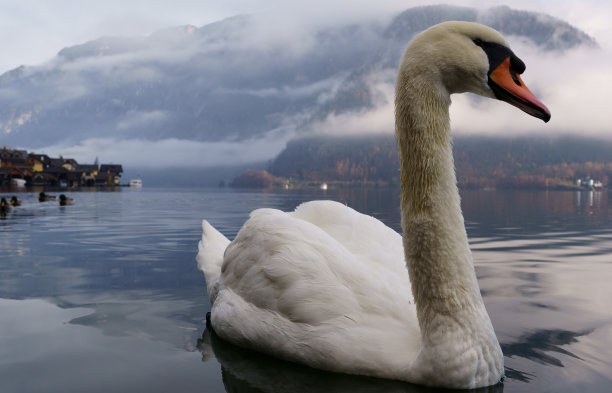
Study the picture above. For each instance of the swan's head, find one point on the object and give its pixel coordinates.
(470, 57)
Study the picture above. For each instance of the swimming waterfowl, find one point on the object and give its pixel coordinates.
(64, 200)
(337, 290)
(4, 205)
(42, 197)
(15, 201)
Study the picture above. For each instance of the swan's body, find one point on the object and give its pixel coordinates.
(334, 289)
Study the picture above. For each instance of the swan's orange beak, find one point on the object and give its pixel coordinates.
(508, 86)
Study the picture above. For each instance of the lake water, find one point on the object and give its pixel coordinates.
(104, 295)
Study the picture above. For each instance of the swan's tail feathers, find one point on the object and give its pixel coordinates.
(210, 257)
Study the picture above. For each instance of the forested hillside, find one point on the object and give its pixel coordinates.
(480, 161)
(354, 159)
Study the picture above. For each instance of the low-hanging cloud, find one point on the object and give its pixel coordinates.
(375, 120)
(135, 119)
(168, 152)
(572, 85)
(324, 89)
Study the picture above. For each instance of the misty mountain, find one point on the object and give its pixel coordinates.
(233, 80)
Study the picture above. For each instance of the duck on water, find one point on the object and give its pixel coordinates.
(43, 197)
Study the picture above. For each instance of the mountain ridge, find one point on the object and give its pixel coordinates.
(228, 81)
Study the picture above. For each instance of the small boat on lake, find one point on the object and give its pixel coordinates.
(136, 183)
(18, 182)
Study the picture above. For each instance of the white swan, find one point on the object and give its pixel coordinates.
(330, 288)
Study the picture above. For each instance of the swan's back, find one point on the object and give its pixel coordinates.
(313, 283)
(365, 237)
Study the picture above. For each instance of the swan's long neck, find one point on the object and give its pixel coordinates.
(438, 257)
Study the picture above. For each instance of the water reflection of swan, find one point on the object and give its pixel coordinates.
(247, 371)
(328, 287)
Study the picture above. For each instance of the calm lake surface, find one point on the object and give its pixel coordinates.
(105, 296)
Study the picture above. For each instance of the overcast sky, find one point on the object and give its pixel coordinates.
(33, 31)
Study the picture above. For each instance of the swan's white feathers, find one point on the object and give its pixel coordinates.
(210, 257)
(311, 274)
(289, 281)
(365, 237)
(329, 287)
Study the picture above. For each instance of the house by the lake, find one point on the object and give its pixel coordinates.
(589, 183)
(40, 169)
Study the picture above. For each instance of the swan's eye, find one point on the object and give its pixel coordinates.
(516, 63)
(497, 53)
(479, 42)
(515, 78)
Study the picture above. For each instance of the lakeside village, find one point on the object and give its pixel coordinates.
(20, 168)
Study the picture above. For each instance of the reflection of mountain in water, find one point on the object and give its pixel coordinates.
(541, 211)
(248, 371)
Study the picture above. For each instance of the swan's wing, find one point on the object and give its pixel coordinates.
(290, 289)
(285, 265)
(290, 267)
(365, 237)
